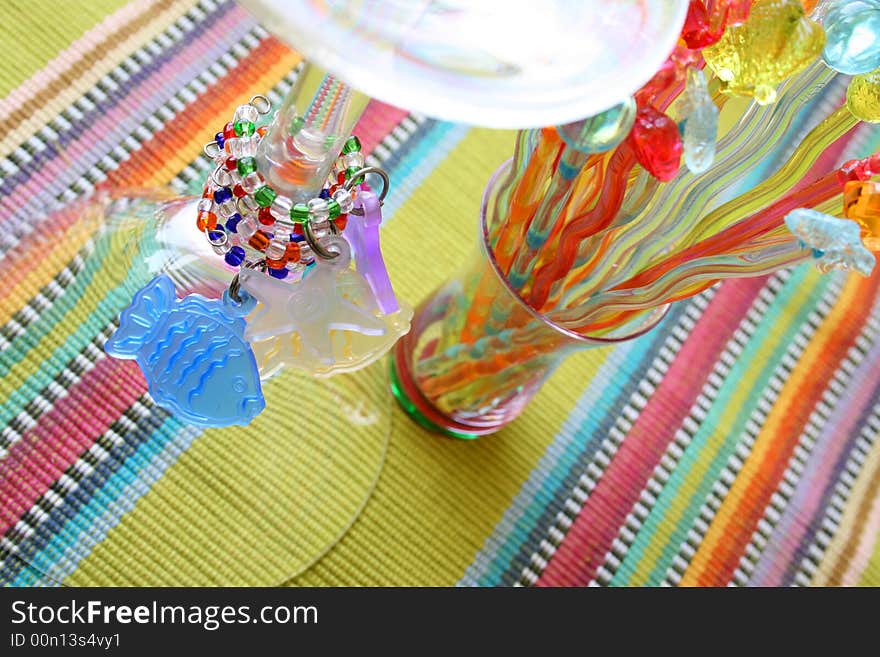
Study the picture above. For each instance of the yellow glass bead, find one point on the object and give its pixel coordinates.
(777, 41)
(861, 203)
(863, 96)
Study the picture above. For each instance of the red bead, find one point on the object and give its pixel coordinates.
(259, 241)
(298, 229)
(207, 192)
(697, 32)
(262, 130)
(229, 132)
(265, 217)
(340, 179)
(341, 221)
(238, 191)
(231, 164)
(657, 143)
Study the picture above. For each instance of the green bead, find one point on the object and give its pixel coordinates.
(352, 145)
(349, 174)
(299, 213)
(264, 196)
(246, 165)
(296, 124)
(333, 207)
(244, 128)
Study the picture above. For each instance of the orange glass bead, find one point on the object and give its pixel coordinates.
(275, 264)
(207, 192)
(259, 240)
(341, 221)
(861, 203)
(206, 220)
(262, 130)
(292, 252)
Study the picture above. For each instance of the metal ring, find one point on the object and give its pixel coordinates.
(208, 150)
(221, 169)
(313, 243)
(238, 205)
(235, 283)
(264, 102)
(363, 172)
(222, 242)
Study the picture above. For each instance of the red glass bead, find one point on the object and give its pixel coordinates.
(262, 130)
(697, 32)
(265, 217)
(231, 164)
(259, 241)
(341, 222)
(238, 191)
(657, 143)
(340, 178)
(275, 264)
(850, 171)
(298, 229)
(229, 132)
(292, 252)
(206, 220)
(207, 192)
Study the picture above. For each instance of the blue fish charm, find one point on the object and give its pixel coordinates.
(193, 354)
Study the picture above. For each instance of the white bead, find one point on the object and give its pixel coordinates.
(227, 208)
(305, 253)
(245, 113)
(281, 207)
(252, 182)
(318, 209)
(282, 232)
(243, 147)
(275, 250)
(321, 228)
(353, 160)
(247, 227)
(343, 197)
(205, 205)
(247, 205)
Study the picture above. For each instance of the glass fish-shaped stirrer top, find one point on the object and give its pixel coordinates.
(193, 354)
(836, 243)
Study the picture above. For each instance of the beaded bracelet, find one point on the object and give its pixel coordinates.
(249, 207)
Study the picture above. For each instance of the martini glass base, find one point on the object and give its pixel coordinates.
(419, 409)
(242, 506)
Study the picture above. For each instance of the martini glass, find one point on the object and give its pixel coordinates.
(515, 64)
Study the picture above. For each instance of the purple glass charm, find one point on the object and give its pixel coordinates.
(362, 233)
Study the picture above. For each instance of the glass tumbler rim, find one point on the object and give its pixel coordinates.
(487, 251)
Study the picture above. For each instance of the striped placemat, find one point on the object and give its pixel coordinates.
(736, 444)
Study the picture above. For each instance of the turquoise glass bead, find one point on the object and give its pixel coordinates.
(602, 132)
(852, 30)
